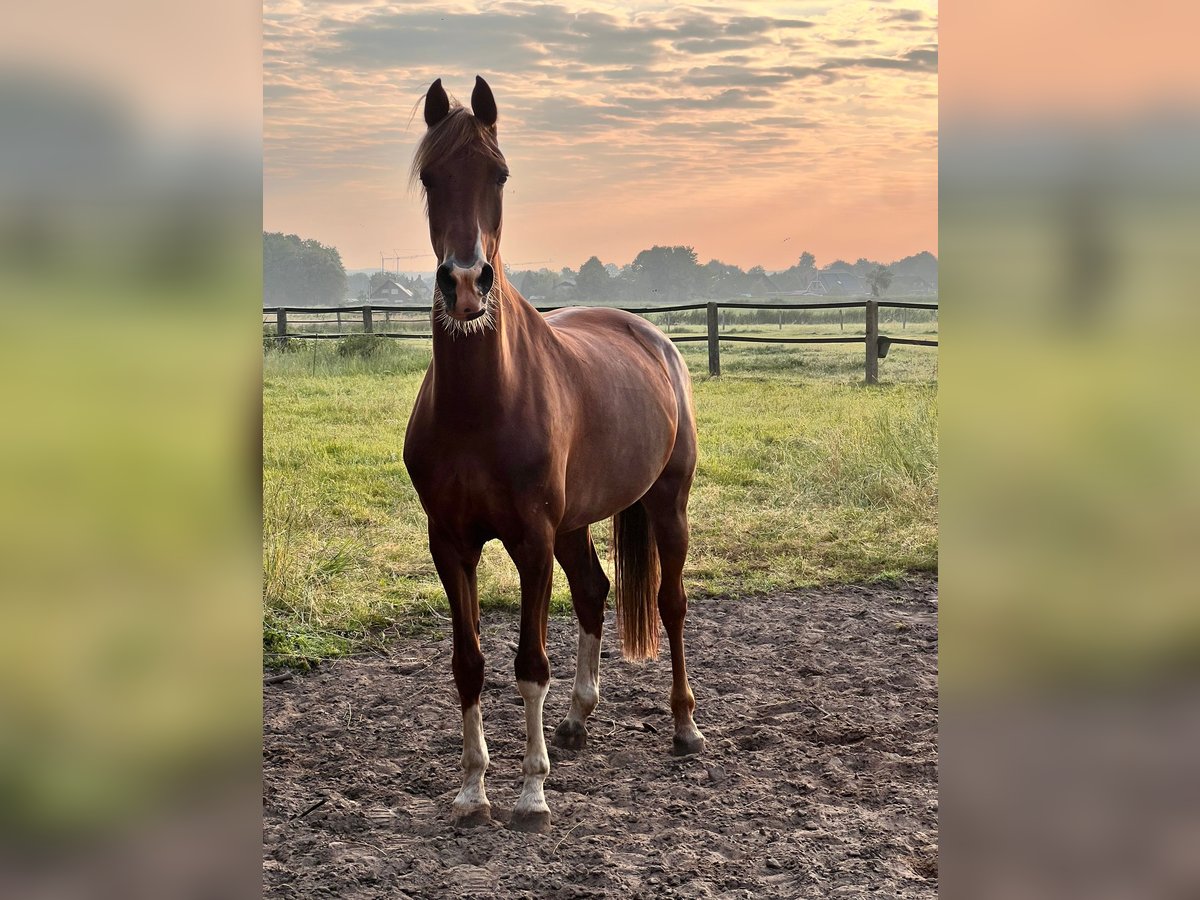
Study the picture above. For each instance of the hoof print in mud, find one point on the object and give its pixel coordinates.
(537, 822)
(570, 735)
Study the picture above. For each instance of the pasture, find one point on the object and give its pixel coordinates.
(806, 477)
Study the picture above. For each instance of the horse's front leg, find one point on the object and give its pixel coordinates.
(534, 557)
(456, 566)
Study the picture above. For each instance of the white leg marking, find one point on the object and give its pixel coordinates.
(475, 761)
(586, 693)
(536, 765)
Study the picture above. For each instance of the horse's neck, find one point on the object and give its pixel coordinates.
(476, 368)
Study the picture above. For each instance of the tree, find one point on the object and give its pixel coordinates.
(923, 265)
(664, 274)
(879, 278)
(298, 271)
(800, 276)
(720, 280)
(593, 281)
(358, 283)
(537, 285)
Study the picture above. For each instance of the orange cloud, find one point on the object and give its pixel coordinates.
(747, 133)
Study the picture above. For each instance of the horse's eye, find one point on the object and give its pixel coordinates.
(501, 179)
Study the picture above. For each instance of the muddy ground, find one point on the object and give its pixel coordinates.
(819, 779)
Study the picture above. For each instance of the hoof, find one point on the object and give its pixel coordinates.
(570, 735)
(686, 745)
(534, 821)
(472, 817)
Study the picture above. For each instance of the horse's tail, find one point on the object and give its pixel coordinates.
(637, 577)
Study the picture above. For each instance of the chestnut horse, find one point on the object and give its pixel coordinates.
(528, 429)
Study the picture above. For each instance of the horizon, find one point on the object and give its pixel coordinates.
(750, 132)
(369, 270)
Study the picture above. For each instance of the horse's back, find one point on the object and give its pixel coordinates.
(600, 334)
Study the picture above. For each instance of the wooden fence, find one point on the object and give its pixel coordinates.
(876, 345)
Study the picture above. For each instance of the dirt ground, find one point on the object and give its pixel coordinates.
(819, 779)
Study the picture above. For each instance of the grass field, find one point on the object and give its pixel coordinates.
(805, 477)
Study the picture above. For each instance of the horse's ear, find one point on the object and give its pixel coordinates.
(437, 104)
(483, 104)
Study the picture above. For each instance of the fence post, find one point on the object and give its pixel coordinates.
(367, 326)
(872, 373)
(339, 315)
(281, 328)
(714, 344)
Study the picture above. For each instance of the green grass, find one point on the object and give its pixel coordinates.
(805, 477)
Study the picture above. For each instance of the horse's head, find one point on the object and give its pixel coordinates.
(462, 172)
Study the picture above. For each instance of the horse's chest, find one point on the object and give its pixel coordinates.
(480, 484)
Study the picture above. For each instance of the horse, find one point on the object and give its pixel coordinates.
(529, 428)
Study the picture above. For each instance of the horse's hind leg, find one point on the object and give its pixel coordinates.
(589, 589)
(456, 567)
(666, 504)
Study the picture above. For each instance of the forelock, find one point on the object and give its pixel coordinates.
(458, 131)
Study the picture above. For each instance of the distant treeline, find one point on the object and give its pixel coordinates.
(298, 271)
(674, 275)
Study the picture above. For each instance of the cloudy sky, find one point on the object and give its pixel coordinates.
(751, 131)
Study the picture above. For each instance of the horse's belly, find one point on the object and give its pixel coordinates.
(604, 479)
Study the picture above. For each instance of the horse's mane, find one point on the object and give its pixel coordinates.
(458, 131)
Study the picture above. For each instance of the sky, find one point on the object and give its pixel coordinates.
(749, 131)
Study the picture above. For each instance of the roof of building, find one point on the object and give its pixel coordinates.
(391, 283)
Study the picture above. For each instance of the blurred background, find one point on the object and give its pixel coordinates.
(130, 278)
(130, 274)
(1070, 194)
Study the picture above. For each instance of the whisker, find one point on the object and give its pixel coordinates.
(454, 326)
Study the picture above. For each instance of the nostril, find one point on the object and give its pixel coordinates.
(445, 281)
(486, 278)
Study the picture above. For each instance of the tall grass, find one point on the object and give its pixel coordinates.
(805, 477)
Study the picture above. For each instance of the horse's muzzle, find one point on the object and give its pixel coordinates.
(465, 290)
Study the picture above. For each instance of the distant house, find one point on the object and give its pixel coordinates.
(759, 284)
(564, 291)
(840, 281)
(392, 290)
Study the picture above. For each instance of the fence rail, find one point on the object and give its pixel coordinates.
(876, 345)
